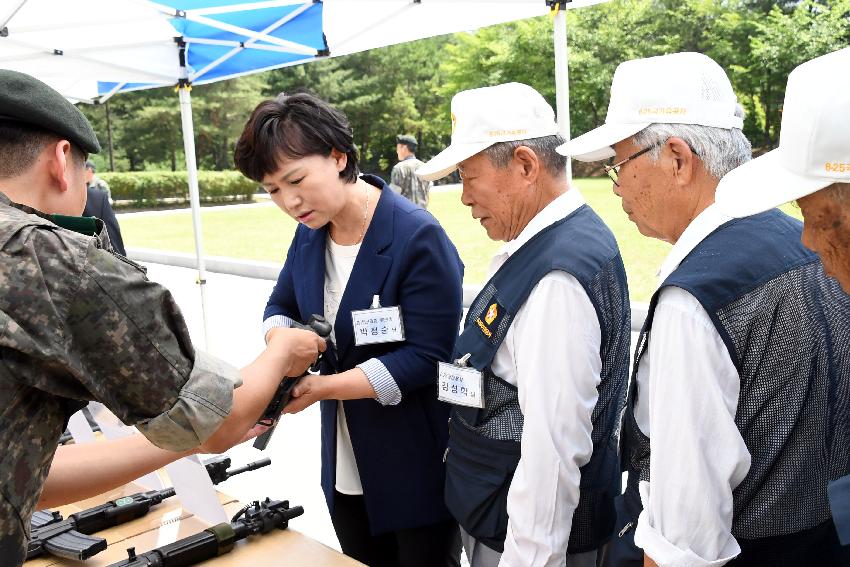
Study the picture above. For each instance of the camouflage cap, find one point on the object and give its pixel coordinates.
(407, 140)
(26, 99)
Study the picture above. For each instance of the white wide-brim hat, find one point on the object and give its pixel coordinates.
(680, 88)
(483, 117)
(814, 142)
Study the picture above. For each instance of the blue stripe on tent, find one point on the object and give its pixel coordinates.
(305, 29)
(105, 87)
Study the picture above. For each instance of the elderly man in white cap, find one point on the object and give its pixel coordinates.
(541, 365)
(812, 167)
(728, 432)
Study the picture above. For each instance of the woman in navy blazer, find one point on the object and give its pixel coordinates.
(302, 152)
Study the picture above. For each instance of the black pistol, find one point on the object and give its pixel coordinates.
(321, 327)
(255, 519)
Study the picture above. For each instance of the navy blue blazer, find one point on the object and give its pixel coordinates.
(407, 259)
(97, 205)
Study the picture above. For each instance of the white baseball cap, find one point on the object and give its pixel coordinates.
(814, 142)
(680, 88)
(483, 117)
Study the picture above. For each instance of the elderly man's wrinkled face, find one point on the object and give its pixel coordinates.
(493, 196)
(826, 230)
(645, 191)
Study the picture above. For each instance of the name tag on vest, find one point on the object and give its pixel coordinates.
(381, 325)
(460, 385)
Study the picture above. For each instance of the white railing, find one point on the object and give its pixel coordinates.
(269, 271)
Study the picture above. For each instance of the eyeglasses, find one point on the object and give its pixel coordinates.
(613, 170)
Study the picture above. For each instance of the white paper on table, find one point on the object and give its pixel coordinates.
(195, 489)
(114, 428)
(80, 429)
(169, 527)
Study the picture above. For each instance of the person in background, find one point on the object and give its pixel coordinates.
(95, 182)
(97, 205)
(403, 179)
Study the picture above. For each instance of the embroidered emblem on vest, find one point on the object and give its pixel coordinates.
(492, 317)
(492, 312)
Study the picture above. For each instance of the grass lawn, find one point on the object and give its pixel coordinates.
(264, 233)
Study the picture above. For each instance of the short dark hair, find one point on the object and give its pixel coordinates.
(90, 165)
(293, 126)
(408, 141)
(20, 144)
(501, 153)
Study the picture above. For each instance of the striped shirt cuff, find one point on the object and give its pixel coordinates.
(382, 381)
(276, 321)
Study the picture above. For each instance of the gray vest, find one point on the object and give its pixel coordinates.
(786, 327)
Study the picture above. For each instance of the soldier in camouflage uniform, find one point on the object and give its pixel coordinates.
(78, 323)
(402, 179)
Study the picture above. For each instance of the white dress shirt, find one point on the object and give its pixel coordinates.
(688, 391)
(551, 353)
(339, 263)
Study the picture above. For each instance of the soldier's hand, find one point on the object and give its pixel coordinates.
(301, 346)
(308, 391)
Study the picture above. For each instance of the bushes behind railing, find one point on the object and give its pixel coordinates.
(151, 187)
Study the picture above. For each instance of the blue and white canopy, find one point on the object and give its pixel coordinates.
(91, 48)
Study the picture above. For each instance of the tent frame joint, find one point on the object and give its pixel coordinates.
(562, 4)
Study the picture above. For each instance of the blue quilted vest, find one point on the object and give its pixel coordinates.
(484, 444)
(786, 327)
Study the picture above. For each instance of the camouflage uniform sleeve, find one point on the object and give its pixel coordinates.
(396, 178)
(137, 358)
(87, 324)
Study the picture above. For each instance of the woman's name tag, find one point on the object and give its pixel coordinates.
(377, 325)
(460, 385)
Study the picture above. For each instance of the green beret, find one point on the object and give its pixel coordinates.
(408, 140)
(26, 99)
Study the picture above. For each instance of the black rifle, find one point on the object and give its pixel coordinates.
(321, 327)
(71, 538)
(256, 518)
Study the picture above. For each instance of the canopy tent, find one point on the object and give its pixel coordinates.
(93, 49)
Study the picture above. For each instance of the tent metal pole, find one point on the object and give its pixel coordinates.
(562, 82)
(194, 197)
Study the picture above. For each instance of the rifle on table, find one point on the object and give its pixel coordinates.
(256, 518)
(321, 327)
(71, 537)
(217, 468)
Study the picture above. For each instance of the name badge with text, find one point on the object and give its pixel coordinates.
(381, 325)
(460, 385)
